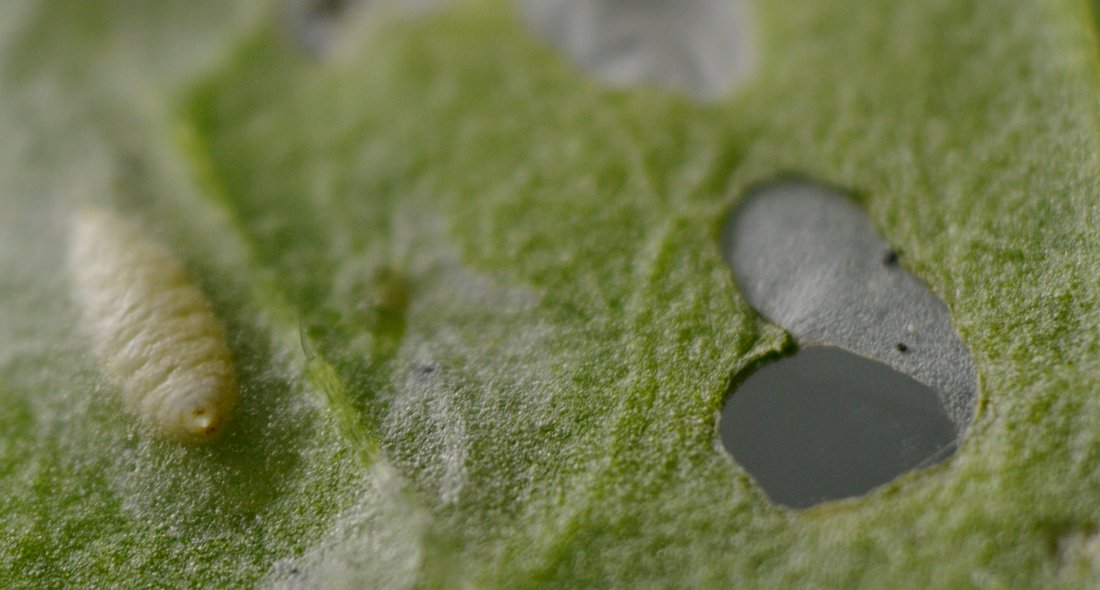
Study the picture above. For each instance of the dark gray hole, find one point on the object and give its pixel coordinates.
(827, 424)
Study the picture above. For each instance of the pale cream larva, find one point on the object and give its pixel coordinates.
(154, 332)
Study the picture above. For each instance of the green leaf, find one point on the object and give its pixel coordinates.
(481, 320)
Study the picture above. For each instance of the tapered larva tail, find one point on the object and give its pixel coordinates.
(154, 332)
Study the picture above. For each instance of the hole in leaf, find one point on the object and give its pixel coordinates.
(700, 47)
(319, 25)
(827, 424)
(313, 22)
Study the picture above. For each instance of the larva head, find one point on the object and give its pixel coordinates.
(200, 414)
(201, 421)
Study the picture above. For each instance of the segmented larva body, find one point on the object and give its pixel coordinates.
(154, 332)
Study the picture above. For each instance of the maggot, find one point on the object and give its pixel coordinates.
(153, 331)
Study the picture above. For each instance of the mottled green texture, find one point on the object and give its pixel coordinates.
(481, 319)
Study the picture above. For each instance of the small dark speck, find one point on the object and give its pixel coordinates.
(890, 258)
(424, 370)
(902, 347)
(327, 7)
(294, 571)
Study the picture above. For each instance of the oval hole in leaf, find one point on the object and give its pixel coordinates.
(700, 47)
(828, 423)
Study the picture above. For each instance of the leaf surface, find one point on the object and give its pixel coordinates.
(479, 312)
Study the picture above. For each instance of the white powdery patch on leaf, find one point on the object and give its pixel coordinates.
(377, 543)
(700, 47)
